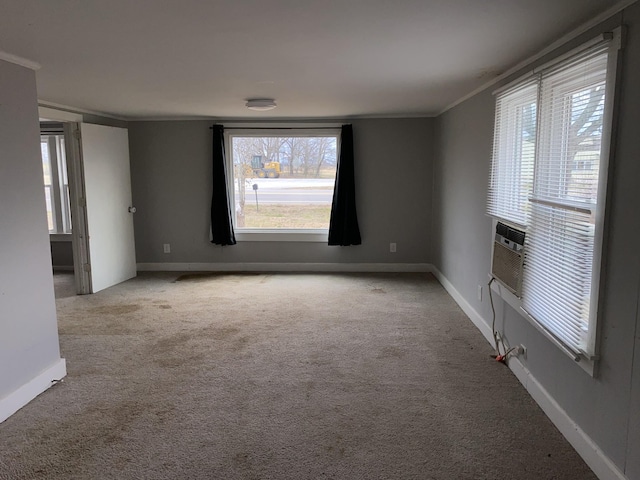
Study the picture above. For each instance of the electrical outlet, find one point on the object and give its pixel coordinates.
(522, 351)
(166, 248)
(479, 293)
(392, 247)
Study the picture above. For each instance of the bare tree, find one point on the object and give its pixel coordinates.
(292, 145)
(243, 150)
(323, 149)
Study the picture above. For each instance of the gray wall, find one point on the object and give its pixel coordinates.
(604, 407)
(28, 326)
(171, 179)
(61, 254)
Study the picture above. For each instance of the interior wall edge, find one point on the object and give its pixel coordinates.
(17, 399)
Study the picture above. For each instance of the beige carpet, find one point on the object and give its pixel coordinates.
(301, 376)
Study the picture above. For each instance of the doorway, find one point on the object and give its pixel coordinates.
(88, 188)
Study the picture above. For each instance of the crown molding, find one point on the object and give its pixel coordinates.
(70, 109)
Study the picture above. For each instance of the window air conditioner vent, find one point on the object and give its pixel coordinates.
(508, 257)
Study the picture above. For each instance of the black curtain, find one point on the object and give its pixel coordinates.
(343, 227)
(221, 218)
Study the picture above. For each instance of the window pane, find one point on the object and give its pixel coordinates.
(54, 168)
(558, 280)
(48, 193)
(571, 136)
(511, 179)
(64, 184)
(283, 182)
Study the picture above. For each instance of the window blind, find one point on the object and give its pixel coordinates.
(557, 287)
(511, 177)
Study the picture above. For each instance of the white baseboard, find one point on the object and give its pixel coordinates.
(30, 390)
(593, 456)
(466, 307)
(284, 267)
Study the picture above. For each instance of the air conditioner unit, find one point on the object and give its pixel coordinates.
(508, 257)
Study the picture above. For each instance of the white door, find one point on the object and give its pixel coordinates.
(107, 182)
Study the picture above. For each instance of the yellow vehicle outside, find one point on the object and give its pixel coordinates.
(262, 169)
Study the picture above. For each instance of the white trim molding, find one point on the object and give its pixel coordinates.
(30, 390)
(80, 111)
(466, 307)
(593, 456)
(54, 114)
(23, 62)
(284, 267)
(590, 452)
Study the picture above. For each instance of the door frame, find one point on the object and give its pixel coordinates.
(78, 204)
(77, 195)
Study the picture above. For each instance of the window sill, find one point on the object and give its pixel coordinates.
(281, 235)
(60, 237)
(586, 363)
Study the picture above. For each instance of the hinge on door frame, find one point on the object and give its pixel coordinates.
(86, 267)
(76, 133)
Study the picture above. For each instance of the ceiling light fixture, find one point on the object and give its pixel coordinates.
(261, 104)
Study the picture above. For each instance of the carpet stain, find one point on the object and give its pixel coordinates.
(104, 426)
(319, 360)
(165, 307)
(204, 276)
(114, 309)
(309, 387)
(379, 290)
(391, 352)
(169, 344)
(175, 361)
(219, 333)
(336, 449)
(241, 458)
(241, 343)
(100, 325)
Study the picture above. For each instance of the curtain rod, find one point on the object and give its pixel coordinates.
(280, 128)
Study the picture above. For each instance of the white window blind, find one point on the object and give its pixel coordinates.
(511, 179)
(564, 207)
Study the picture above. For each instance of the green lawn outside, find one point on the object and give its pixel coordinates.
(286, 216)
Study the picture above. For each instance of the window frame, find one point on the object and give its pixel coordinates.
(244, 234)
(585, 359)
(60, 197)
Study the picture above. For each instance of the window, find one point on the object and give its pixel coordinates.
(56, 183)
(283, 179)
(549, 174)
(511, 180)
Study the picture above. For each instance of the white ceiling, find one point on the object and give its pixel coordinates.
(317, 58)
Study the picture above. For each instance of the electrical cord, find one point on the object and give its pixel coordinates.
(497, 338)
